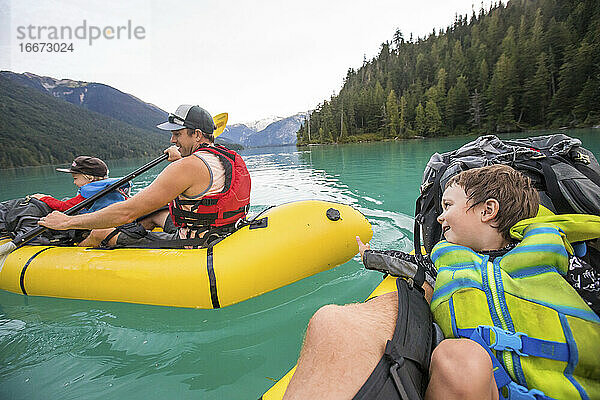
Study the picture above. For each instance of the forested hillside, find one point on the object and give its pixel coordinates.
(97, 97)
(38, 129)
(527, 64)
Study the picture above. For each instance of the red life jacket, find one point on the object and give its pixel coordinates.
(218, 209)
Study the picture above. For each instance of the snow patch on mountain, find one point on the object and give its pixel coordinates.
(262, 123)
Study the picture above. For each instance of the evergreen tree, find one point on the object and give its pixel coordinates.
(398, 39)
(393, 114)
(433, 120)
(420, 121)
(377, 120)
(440, 86)
(537, 93)
(343, 126)
(538, 41)
(458, 104)
(502, 86)
(424, 68)
(476, 110)
(402, 124)
(458, 58)
(483, 75)
(351, 120)
(506, 120)
(587, 106)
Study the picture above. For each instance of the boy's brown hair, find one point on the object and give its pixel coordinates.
(514, 192)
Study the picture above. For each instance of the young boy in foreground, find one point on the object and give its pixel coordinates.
(488, 286)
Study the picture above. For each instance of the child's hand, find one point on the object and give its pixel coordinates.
(362, 247)
(38, 196)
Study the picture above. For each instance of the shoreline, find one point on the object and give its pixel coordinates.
(474, 134)
(305, 145)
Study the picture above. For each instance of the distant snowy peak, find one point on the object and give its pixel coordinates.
(50, 83)
(262, 123)
(278, 132)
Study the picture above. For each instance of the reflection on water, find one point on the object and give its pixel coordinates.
(72, 349)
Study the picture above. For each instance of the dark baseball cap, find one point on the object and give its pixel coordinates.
(88, 166)
(188, 116)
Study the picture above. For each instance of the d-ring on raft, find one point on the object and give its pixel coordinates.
(296, 240)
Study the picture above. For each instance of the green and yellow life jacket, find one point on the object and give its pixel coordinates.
(543, 339)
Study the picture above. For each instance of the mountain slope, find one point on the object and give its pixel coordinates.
(281, 132)
(38, 129)
(96, 97)
(237, 133)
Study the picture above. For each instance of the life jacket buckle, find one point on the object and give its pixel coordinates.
(504, 340)
(518, 392)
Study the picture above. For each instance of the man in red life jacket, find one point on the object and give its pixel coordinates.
(209, 191)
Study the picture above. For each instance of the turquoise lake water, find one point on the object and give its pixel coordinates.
(74, 349)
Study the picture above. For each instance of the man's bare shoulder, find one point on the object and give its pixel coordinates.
(190, 173)
(186, 164)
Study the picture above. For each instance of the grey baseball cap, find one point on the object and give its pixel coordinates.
(188, 116)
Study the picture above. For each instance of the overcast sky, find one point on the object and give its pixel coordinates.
(252, 59)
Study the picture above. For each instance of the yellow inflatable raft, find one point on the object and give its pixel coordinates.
(296, 240)
(277, 391)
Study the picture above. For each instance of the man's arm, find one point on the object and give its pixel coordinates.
(175, 179)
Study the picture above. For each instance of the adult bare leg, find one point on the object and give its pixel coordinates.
(461, 369)
(96, 236)
(343, 344)
(155, 220)
(152, 221)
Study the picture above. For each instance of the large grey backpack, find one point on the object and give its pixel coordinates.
(566, 175)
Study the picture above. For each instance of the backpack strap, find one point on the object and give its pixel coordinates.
(424, 203)
(559, 201)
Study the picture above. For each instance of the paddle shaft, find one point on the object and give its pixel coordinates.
(26, 237)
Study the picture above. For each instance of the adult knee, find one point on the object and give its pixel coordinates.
(326, 322)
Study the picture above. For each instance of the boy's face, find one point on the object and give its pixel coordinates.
(79, 179)
(460, 225)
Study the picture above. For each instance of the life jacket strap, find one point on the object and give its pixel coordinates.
(518, 392)
(192, 219)
(503, 379)
(519, 342)
(196, 203)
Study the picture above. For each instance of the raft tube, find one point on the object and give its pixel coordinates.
(277, 391)
(295, 240)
